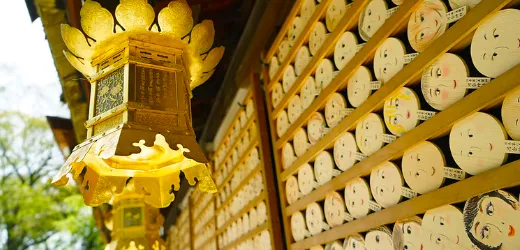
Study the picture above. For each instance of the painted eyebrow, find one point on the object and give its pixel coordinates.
(485, 37)
(476, 225)
(431, 93)
(484, 56)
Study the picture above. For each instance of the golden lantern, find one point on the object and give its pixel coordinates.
(136, 224)
(140, 122)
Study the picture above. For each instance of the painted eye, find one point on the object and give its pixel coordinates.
(385, 54)
(384, 70)
(397, 103)
(438, 72)
(377, 238)
(438, 240)
(495, 35)
(353, 190)
(441, 221)
(381, 191)
(422, 18)
(470, 153)
(484, 233)
(406, 247)
(369, 12)
(342, 45)
(490, 209)
(368, 28)
(354, 244)
(437, 91)
(417, 174)
(409, 230)
(395, 120)
(493, 56)
(418, 157)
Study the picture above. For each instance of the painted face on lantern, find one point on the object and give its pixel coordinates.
(455, 4)
(323, 166)
(334, 246)
(334, 209)
(306, 179)
(277, 94)
(389, 59)
(288, 78)
(427, 23)
(314, 218)
(357, 197)
(300, 142)
(477, 143)
(346, 48)
(295, 29)
(294, 109)
(407, 235)
(291, 189)
(400, 111)
(317, 38)
(423, 167)
(333, 108)
(315, 127)
(492, 220)
(283, 50)
(379, 239)
(345, 150)
(334, 13)
(324, 73)
(354, 242)
(298, 226)
(307, 9)
(510, 114)
(282, 123)
(386, 183)
(495, 47)
(445, 226)
(444, 82)
(308, 92)
(302, 59)
(287, 155)
(358, 86)
(372, 18)
(368, 134)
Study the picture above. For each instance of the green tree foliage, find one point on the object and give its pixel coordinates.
(33, 214)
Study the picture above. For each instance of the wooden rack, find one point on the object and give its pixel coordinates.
(457, 37)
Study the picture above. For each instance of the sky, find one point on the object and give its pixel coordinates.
(28, 79)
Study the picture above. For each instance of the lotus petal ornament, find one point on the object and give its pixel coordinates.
(140, 121)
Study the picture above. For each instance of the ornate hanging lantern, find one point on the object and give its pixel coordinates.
(140, 123)
(136, 224)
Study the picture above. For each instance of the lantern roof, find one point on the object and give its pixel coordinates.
(135, 19)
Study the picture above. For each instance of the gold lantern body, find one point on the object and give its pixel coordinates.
(140, 122)
(136, 224)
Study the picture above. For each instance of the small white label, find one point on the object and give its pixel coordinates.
(348, 217)
(325, 131)
(454, 173)
(512, 147)
(387, 138)
(306, 233)
(325, 226)
(375, 85)
(477, 82)
(360, 156)
(372, 205)
(424, 115)
(335, 172)
(456, 14)
(317, 92)
(335, 73)
(359, 46)
(299, 195)
(408, 193)
(391, 11)
(409, 57)
(315, 185)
